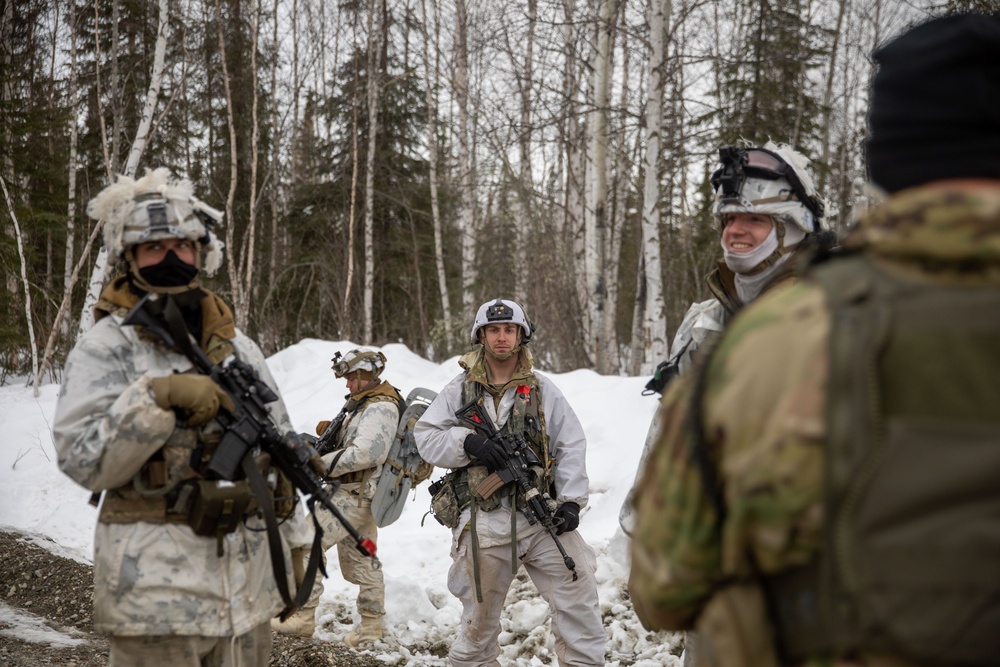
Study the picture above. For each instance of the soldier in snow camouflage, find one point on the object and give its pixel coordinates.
(769, 216)
(816, 495)
(131, 421)
(361, 444)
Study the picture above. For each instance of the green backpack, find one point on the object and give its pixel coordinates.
(911, 560)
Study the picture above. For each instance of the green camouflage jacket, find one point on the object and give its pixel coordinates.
(763, 416)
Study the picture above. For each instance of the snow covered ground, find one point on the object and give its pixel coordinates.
(421, 614)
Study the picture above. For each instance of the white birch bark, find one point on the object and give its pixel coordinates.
(233, 270)
(466, 217)
(74, 95)
(345, 315)
(374, 43)
(654, 322)
(250, 237)
(597, 223)
(525, 227)
(24, 282)
(430, 85)
(99, 274)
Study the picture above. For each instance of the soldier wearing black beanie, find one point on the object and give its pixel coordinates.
(935, 107)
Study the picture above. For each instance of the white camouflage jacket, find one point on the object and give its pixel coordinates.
(365, 437)
(155, 579)
(440, 439)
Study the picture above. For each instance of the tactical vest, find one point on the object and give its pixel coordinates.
(170, 487)
(909, 564)
(457, 489)
(384, 392)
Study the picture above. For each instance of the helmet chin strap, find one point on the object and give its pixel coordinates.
(143, 284)
(493, 355)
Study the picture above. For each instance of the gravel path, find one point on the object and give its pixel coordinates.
(59, 591)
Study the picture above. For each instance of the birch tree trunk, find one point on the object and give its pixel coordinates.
(24, 282)
(232, 266)
(99, 275)
(432, 147)
(597, 223)
(827, 109)
(374, 44)
(525, 227)
(466, 218)
(654, 320)
(249, 240)
(74, 94)
(345, 315)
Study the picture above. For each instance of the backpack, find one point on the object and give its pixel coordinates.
(912, 528)
(404, 469)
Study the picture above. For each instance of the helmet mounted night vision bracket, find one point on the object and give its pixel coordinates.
(740, 163)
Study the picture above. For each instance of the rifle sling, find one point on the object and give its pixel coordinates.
(261, 491)
(182, 339)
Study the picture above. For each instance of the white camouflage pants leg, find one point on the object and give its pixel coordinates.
(252, 649)
(574, 605)
(355, 568)
(360, 570)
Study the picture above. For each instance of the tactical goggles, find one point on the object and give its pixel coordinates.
(739, 163)
(340, 366)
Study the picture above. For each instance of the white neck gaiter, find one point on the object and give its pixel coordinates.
(749, 288)
(745, 262)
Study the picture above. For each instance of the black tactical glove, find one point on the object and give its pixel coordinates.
(569, 512)
(485, 451)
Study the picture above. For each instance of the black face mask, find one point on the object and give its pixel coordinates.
(172, 271)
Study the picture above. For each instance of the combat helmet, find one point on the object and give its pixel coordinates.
(771, 181)
(154, 207)
(369, 361)
(502, 310)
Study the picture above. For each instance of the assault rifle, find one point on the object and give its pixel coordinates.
(250, 423)
(328, 441)
(538, 507)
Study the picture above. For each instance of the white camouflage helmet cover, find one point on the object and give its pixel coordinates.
(358, 360)
(775, 197)
(502, 310)
(155, 207)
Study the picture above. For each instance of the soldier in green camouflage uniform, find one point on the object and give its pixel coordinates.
(136, 422)
(733, 532)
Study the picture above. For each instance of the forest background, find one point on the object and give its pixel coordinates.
(385, 166)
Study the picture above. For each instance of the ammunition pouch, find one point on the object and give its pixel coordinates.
(217, 506)
(457, 490)
(167, 489)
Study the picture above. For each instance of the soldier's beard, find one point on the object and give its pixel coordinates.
(504, 356)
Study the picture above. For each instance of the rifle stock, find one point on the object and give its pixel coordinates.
(250, 424)
(520, 458)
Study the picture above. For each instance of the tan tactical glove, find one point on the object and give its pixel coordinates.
(322, 426)
(197, 397)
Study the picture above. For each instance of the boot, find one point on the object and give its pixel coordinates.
(300, 624)
(369, 630)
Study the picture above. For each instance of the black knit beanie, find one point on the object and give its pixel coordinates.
(935, 107)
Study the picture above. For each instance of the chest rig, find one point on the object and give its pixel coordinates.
(171, 486)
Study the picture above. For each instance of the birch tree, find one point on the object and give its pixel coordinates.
(375, 28)
(597, 220)
(24, 283)
(654, 323)
(466, 220)
(99, 274)
(432, 149)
